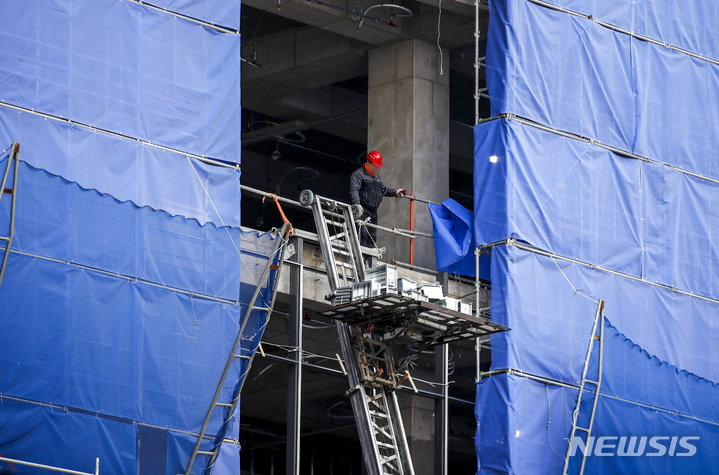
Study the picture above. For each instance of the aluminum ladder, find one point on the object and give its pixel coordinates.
(374, 403)
(598, 323)
(254, 305)
(13, 160)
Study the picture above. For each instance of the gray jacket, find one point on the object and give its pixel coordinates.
(367, 190)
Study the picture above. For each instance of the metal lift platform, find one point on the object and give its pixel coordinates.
(397, 317)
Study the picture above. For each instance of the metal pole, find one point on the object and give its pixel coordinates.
(477, 342)
(14, 158)
(441, 370)
(411, 228)
(441, 404)
(476, 62)
(299, 128)
(278, 248)
(47, 467)
(294, 383)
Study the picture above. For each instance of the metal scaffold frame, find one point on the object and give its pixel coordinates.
(368, 364)
(14, 161)
(279, 251)
(598, 322)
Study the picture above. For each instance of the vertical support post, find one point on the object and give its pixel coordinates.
(476, 62)
(441, 432)
(97, 465)
(411, 228)
(294, 383)
(477, 341)
(13, 160)
(441, 404)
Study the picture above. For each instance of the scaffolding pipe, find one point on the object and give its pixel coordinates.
(398, 231)
(411, 228)
(476, 62)
(51, 468)
(291, 130)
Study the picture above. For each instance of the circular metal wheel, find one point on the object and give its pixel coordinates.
(307, 198)
(357, 211)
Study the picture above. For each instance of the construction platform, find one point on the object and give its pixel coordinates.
(398, 317)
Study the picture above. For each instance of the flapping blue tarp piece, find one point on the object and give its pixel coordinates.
(452, 230)
(126, 68)
(680, 24)
(572, 74)
(68, 440)
(582, 201)
(224, 13)
(145, 175)
(548, 304)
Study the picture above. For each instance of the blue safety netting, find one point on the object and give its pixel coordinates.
(582, 201)
(125, 68)
(225, 13)
(641, 397)
(146, 175)
(583, 219)
(126, 282)
(573, 74)
(124, 313)
(679, 24)
(63, 438)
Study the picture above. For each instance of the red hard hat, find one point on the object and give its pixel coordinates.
(375, 157)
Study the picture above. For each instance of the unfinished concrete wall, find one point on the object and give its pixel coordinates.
(408, 109)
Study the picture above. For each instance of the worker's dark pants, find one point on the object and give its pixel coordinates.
(368, 236)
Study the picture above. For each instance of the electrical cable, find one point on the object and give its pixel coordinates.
(441, 56)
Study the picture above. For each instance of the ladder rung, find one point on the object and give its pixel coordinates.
(264, 309)
(590, 381)
(582, 428)
(204, 452)
(3, 238)
(386, 446)
(244, 357)
(223, 404)
(378, 414)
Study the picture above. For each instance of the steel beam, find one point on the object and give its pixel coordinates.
(294, 382)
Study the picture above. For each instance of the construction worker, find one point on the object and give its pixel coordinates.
(367, 190)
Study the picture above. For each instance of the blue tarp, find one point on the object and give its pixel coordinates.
(679, 24)
(61, 220)
(108, 307)
(69, 440)
(582, 201)
(540, 299)
(225, 13)
(452, 231)
(143, 174)
(124, 289)
(626, 230)
(125, 68)
(641, 397)
(571, 73)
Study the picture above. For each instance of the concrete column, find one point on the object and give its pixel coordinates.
(418, 417)
(408, 109)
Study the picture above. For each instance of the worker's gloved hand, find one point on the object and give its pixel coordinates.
(357, 211)
(402, 192)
